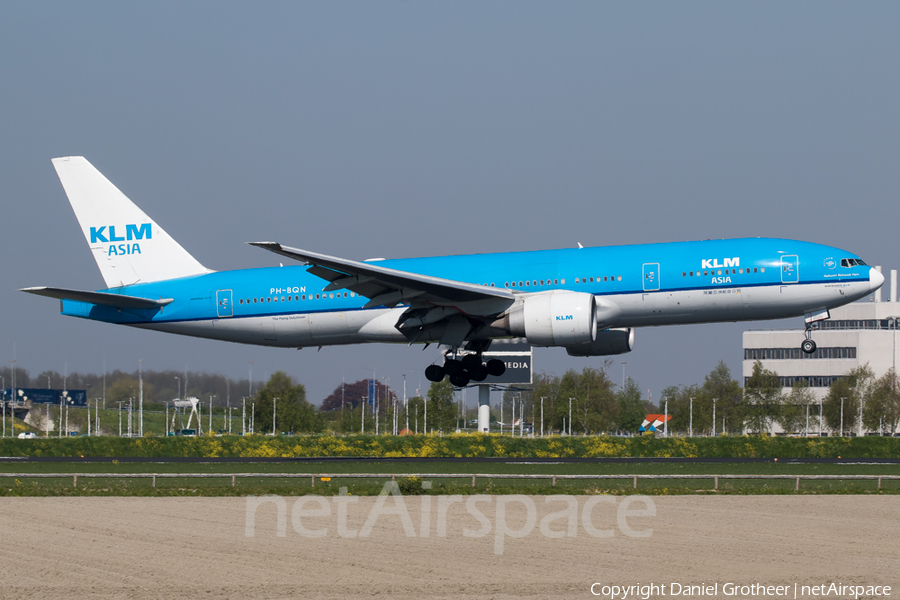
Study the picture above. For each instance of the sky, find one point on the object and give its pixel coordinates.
(399, 129)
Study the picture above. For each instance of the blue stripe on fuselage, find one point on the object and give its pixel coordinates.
(195, 297)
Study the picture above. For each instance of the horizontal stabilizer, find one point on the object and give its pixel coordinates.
(102, 298)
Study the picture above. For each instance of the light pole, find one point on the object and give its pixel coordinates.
(842, 416)
(274, 404)
(624, 362)
(666, 421)
(141, 397)
(714, 416)
(178, 379)
(860, 430)
(691, 421)
(405, 405)
(820, 417)
(63, 399)
(542, 416)
(570, 416)
(807, 419)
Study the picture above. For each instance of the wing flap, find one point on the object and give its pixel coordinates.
(102, 298)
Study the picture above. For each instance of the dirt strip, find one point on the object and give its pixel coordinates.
(177, 548)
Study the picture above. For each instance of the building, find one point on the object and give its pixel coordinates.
(856, 334)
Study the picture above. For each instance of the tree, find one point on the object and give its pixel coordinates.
(291, 410)
(351, 394)
(679, 406)
(631, 411)
(841, 405)
(793, 411)
(441, 407)
(415, 407)
(762, 398)
(882, 409)
(721, 387)
(594, 407)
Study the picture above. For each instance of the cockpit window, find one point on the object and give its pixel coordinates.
(852, 262)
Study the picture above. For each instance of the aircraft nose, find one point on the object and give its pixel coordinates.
(876, 279)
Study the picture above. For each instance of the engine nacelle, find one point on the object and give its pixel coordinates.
(558, 318)
(607, 342)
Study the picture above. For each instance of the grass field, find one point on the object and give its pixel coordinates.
(381, 472)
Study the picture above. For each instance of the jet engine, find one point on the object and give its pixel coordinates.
(557, 318)
(607, 342)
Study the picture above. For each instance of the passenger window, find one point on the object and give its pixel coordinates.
(282, 298)
(691, 273)
(241, 301)
(576, 280)
(513, 284)
(254, 301)
(762, 269)
(303, 297)
(526, 284)
(317, 296)
(556, 282)
(542, 282)
(620, 278)
(520, 284)
(269, 299)
(562, 281)
(754, 269)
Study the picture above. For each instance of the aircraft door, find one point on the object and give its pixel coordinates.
(651, 277)
(790, 269)
(223, 304)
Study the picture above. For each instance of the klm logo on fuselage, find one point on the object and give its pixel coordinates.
(564, 317)
(107, 235)
(713, 263)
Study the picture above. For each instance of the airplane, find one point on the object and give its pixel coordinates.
(588, 300)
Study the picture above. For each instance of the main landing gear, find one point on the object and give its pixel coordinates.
(470, 367)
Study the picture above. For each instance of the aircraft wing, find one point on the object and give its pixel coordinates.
(389, 287)
(102, 298)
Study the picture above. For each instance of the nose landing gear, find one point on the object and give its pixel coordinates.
(812, 317)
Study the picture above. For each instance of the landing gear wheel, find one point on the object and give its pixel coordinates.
(460, 379)
(434, 373)
(495, 367)
(479, 373)
(808, 346)
(452, 366)
(471, 361)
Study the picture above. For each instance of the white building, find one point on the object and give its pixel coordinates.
(856, 334)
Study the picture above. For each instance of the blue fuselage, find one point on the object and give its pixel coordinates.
(650, 284)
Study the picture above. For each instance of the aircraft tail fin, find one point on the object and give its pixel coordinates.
(129, 246)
